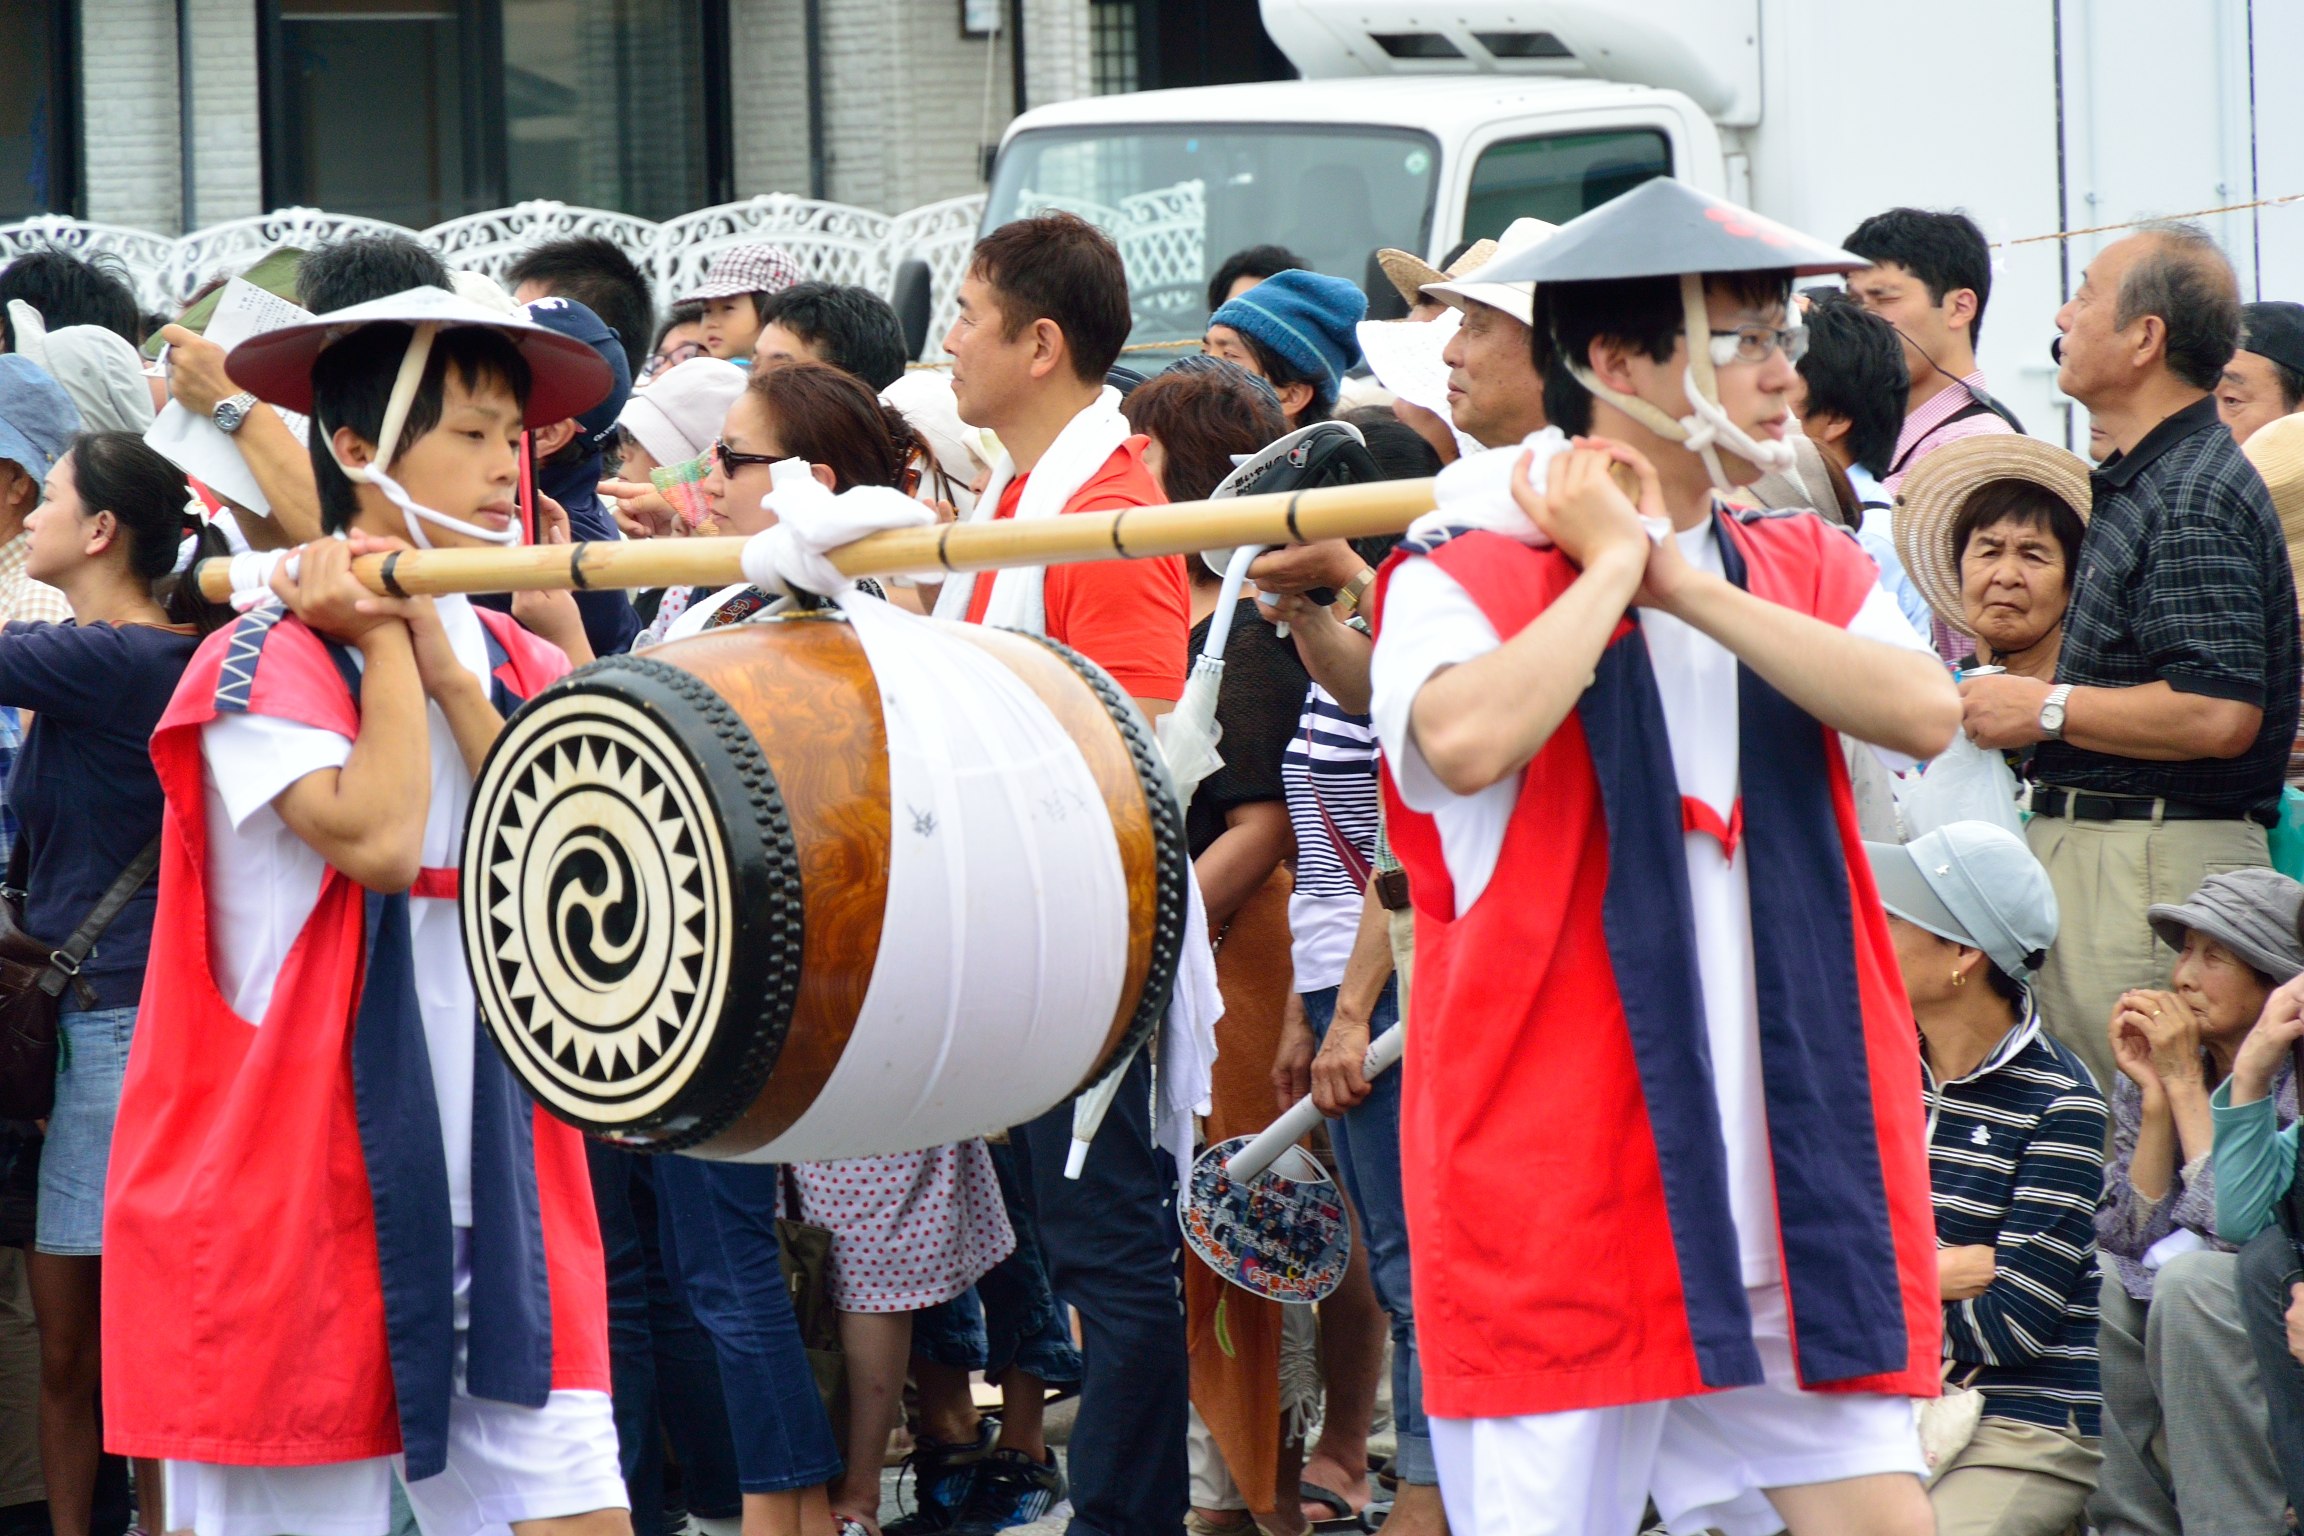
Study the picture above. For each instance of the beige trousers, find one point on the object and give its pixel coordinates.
(2106, 873)
(2015, 1479)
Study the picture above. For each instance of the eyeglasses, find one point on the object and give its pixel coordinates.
(1757, 343)
(731, 461)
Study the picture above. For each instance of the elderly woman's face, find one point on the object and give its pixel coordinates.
(2223, 989)
(2013, 584)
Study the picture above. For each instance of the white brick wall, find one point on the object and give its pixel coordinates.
(128, 107)
(227, 143)
(908, 106)
(768, 70)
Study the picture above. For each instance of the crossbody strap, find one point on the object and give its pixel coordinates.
(1355, 864)
(64, 963)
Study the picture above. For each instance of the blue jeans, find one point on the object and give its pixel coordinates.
(91, 1059)
(719, 1227)
(1367, 1143)
(665, 1374)
(1010, 1316)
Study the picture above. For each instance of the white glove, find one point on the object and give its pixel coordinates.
(812, 521)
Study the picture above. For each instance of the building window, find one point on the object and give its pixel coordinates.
(419, 110)
(39, 128)
(604, 103)
(1112, 40)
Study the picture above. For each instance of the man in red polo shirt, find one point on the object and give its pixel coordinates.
(1043, 313)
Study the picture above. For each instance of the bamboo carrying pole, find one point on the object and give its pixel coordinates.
(1339, 512)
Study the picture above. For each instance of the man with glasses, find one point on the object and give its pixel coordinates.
(1929, 276)
(1614, 776)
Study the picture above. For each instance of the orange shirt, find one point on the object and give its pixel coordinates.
(1133, 618)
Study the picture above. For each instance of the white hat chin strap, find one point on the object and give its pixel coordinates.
(1706, 427)
(412, 364)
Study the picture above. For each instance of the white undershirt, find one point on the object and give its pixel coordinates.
(264, 880)
(1430, 622)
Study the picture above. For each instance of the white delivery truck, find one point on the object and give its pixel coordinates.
(1422, 125)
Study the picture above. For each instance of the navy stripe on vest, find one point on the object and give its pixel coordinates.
(1650, 919)
(508, 1342)
(1831, 1197)
(236, 678)
(508, 1335)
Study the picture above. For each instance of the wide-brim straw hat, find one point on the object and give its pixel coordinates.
(2277, 451)
(1409, 273)
(1929, 500)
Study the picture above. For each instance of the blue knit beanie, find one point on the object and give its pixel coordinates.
(1307, 319)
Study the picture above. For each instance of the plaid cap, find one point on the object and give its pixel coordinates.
(747, 269)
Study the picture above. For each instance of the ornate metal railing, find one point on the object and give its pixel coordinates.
(833, 242)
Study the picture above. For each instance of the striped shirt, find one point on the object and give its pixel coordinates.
(1930, 427)
(1330, 767)
(2015, 1160)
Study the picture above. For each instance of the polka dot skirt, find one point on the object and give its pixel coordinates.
(909, 1229)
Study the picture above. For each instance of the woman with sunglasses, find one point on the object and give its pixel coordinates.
(910, 1230)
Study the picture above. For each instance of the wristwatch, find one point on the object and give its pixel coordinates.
(232, 411)
(1355, 593)
(2052, 712)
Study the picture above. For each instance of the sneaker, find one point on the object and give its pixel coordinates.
(942, 1478)
(1011, 1489)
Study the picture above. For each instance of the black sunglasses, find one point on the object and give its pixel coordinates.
(732, 461)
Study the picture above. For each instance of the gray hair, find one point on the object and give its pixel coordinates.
(2182, 276)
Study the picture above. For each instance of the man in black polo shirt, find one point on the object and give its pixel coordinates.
(2162, 744)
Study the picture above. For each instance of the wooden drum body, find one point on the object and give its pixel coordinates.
(822, 886)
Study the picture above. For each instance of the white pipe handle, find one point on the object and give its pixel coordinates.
(1296, 1122)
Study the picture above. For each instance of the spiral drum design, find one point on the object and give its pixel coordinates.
(821, 886)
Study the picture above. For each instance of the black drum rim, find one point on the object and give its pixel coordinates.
(760, 873)
(1170, 850)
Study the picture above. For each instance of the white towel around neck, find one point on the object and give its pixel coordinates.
(1079, 452)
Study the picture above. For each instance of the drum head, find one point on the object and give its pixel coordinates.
(1282, 1235)
(632, 904)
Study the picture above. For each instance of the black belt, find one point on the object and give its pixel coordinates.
(2083, 805)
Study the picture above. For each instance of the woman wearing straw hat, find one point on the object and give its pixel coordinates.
(1989, 529)
(2015, 1148)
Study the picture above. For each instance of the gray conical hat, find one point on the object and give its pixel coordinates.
(1663, 228)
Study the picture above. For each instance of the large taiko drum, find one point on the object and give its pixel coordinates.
(822, 885)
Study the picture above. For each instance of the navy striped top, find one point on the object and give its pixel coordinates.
(2016, 1159)
(1329, 775)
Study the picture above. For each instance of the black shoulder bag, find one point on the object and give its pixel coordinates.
(33, 976)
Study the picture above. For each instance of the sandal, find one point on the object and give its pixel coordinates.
(1344, 1518)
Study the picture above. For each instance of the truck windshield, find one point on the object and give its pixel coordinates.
(1179, 198)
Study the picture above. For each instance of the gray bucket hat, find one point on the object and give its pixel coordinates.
(2251, 912)
(1975, 884)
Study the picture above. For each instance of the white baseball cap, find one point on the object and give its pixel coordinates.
(1973, 883)
(678, 415)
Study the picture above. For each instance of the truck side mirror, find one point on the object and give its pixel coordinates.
(1384, 301)
(912, 301)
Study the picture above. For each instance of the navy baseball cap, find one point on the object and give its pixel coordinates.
(2275, 330)
(577, 322)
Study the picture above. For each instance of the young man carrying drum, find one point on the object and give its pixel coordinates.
(343, 1246)
(1659, 1020)
(1043, 314)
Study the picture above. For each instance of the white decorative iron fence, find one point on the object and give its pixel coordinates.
(832, 241)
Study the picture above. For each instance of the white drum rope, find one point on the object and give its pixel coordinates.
(1005, 943)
